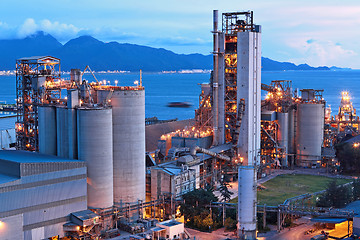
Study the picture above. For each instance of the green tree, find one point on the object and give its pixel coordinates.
(349, 157)
(334, 196)
(195, 203)
(224, 190)
(356, 190)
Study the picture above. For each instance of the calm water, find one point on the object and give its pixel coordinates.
(163, 88)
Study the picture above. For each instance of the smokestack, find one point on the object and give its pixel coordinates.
(216, 79)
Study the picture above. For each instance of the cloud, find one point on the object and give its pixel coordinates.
(323, 53)
(29, 27)
(60, 31)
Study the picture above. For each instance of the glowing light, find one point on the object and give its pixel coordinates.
(136, 82)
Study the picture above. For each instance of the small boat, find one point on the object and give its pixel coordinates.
(179, 104)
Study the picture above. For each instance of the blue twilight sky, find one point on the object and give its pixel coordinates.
(316, 32)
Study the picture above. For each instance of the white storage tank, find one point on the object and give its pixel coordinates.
(247, 202)
(129, 143)
(47, 129)
(283, 134)
(95, 147)
(309, 133)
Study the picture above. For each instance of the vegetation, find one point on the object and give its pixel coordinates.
(230, 224)
(339, 196)
(282, 187)
(224, 190)
(195, 210)
(349, 157)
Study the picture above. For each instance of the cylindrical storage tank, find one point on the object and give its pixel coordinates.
(309, 133)
(247, 202)
(283, 134)
(95, 147)
(71, 127)
(292, 115)
(47, 130)
(62, 132)
(129, 144)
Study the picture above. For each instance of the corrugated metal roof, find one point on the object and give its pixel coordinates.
(31, 157)
(354, 206)
(85, 215)
(329, 220)
(157, 229)
(39, 58)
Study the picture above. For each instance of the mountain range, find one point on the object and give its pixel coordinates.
(86, 50)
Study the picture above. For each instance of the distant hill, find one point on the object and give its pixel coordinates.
(271, 65)
(86, 50)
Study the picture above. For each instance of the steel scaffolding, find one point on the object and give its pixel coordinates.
(31, 76)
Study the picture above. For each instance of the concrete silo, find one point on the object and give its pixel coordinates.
(247, 202)
(95, 147)
(283, 135)
(309, 133)
(47, 130)
(62, 132)
(128, 107)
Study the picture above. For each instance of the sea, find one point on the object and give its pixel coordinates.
(162, 88)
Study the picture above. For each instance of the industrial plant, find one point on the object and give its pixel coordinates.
(86, 165)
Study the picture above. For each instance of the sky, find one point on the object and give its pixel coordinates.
(316, 32)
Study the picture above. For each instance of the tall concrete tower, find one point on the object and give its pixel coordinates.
(237, 103)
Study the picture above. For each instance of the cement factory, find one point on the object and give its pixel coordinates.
(86, 165)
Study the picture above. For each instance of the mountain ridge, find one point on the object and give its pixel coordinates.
(99, 55)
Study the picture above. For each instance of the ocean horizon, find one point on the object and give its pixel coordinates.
(162, 88)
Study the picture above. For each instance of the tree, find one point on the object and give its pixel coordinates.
(348, 156)
(334, 196)
(356, 189)
(195, 203)
(224, 191)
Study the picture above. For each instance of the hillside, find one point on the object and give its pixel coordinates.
(86, 50)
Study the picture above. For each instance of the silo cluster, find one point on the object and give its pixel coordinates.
(107, 132)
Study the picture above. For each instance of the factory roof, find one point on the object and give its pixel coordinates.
(354, 206)
(173, 170)
(6, 178)
(40, 59)
(31, 157)
(170, 223)
(328, 220)
(85, 215)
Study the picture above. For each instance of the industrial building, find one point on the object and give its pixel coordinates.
(102, 128)
(37, 194)
(100, 124)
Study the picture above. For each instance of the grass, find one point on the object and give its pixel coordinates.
(283, 187)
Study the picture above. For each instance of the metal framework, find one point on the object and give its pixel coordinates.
(31, 75)
(231, 24)
(279, 97)
(203, 114)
